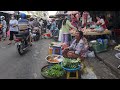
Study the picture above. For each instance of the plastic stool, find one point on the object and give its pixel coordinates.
(76, 77)
(59, 48)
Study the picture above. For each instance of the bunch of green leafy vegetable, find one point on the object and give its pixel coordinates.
(54, 71)
(70, 63)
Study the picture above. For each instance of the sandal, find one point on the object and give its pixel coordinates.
(30, 44)
(9, 43)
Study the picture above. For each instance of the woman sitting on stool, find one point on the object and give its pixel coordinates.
(78, 48)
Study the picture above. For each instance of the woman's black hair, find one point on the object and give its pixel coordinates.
(64, 21)
(103, 17)
(14, 16)
(80, 33)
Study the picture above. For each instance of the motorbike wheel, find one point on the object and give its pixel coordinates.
(38, 37)
(20, 49)
(35, 38)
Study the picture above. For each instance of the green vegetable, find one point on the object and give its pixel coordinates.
(71, 63)
(57, 67)
(54, 71)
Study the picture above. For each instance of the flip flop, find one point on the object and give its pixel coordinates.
(9, 43)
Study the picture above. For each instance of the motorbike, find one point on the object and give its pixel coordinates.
(36, 33)
(22, 42)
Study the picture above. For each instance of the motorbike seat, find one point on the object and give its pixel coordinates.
(19, 35)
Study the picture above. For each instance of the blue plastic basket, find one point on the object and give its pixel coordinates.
(71, 70)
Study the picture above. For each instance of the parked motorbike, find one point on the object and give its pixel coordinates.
(36, 33)
(1, 31)
(22, 42)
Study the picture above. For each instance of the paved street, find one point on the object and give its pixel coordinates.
(28, 66)
(14, 66)
(100, 69)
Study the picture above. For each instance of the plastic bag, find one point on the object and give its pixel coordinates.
(91, 54)
(117, 55)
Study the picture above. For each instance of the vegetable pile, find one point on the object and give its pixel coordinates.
(71, 63)
(54, 71)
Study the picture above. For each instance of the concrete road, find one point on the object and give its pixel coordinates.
(28, 66)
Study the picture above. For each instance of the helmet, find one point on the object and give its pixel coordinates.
(23, 16)
(2, 17)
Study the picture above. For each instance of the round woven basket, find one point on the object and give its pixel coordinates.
(48, 77)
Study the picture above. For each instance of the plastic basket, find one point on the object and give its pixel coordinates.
(100, 47)
(71, 70)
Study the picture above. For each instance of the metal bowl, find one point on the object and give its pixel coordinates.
(60, 58)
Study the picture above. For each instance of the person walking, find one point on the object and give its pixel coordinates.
(4, 27)
(13, 27)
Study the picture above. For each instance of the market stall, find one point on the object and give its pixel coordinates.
(59, 67)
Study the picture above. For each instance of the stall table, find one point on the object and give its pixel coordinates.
(87, 33)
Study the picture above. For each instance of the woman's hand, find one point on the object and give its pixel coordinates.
(67, 48)
(14, 25)
(70, 54)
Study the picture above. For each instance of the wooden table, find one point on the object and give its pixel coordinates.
(88, 32)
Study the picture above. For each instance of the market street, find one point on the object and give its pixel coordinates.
(14, 66)
(28, 66)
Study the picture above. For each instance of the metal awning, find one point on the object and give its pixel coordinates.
(9, 12)
(25, 12)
